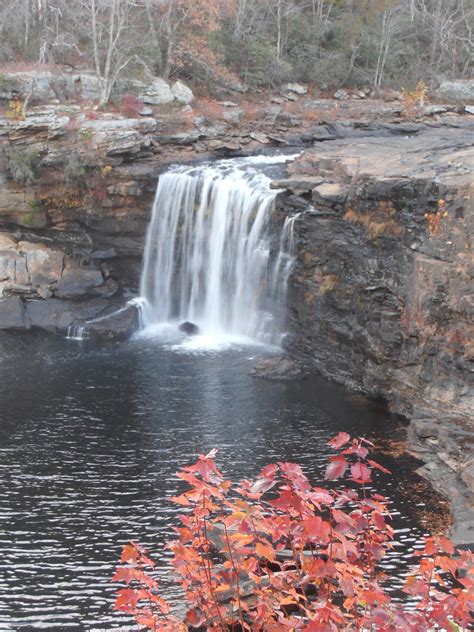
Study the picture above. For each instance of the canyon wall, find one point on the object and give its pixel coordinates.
(382, 298)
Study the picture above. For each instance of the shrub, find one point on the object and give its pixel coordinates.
(280, 554)
(130, 105)
(22, 166)
(15, 110)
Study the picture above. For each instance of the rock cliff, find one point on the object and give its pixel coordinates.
(382, 294)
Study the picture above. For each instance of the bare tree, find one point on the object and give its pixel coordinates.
(109, 26)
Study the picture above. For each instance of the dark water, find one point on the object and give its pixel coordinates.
(90, 439)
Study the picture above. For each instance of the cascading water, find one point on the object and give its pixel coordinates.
(75, 332)
(210, 257)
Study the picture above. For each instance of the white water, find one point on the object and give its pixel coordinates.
(75, 332)
(209, 256)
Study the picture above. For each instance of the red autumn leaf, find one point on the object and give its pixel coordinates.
(130, 554)
(360, 473)
(123, 574)
(265, 550)
(431, 548)
(378, 466)
(319, 495)
(315, 528)
(339, 440)
(126, 600)
(336, 468)
(262, 485)
(378, 520)
(445, 545)
(195, 618)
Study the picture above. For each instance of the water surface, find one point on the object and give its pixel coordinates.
(90, 440)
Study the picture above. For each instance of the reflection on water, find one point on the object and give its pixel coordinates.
(91, 438)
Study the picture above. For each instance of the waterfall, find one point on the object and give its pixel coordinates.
(75, 332)
(211, 257)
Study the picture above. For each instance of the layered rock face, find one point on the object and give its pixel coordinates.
(74, 207)
(382, 295)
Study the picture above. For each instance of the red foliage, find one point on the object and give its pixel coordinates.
(303, 558)
(130, 105)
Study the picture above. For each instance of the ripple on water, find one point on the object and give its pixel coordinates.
(91, 438)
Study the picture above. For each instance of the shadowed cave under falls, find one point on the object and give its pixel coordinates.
(88, 456)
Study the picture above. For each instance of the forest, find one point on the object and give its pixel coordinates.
(244, 44)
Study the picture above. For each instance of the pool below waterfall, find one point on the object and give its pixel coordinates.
(91, 438)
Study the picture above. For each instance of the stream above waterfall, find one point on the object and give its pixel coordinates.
(91, 438)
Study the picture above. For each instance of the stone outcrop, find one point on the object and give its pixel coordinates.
(382, 294)
(461, 90)
(182, 93)
(44, 87)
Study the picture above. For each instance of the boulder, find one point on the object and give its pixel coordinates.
(329, 193)
(469, 109)
(146, 111)
(13, 314)
(297, 88)
(233, 115)
(182, 93)
(20, 84)
(89, 87)
(7, 267)
(189, 328)
(56, 315)
(341, 95)
(259, 137)
(461, 90)
(77, 281)
(7, 242)
(118, 325)
(52, 315)
(157, 93)
(298, 184)
(44, 264)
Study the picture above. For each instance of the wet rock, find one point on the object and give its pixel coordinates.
(118, 325)
(189, 328)
(182, 93)
(56, 315)
(13, 314)
(298, 184)
(281, 368)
